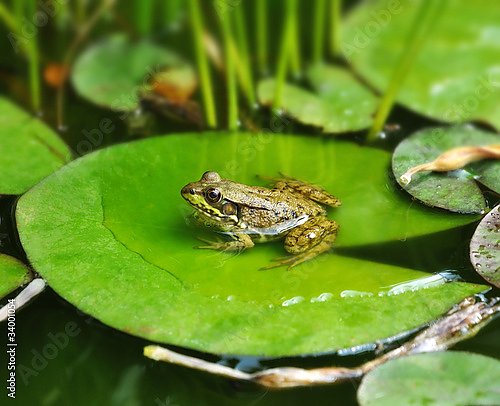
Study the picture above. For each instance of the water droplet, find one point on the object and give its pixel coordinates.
(355, 293)
(478, 265)
(322, 298)
(230, 298)
(292, 301)
(422, 283)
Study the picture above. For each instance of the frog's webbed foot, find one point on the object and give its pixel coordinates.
(239, 243)
(308, 190)
(307, 241)
(289, 261)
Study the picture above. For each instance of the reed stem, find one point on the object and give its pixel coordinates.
(335, 27)
(144, 16)
(284, 53)
(294, 48)
(242, 58)
(425, 19)
(34, 65)
(319, 31)
(232, 91)
(261, 35)
(202, 61)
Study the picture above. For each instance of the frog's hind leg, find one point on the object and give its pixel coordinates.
(308, 190)
(308, 241)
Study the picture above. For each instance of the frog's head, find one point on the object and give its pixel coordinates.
(207, 197)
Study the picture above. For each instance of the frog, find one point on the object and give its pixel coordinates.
(289, 209)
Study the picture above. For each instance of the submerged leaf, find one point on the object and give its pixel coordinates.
(485, 247)
(338, 104)
(29, 150)
(112, 72)
(456, 190)
(13, 274)
(455, 77)
(446, 378)
(109, 234)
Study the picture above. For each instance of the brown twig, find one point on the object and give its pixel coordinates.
(461, 322)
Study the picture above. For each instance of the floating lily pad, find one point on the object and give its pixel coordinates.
(457, 190)
(29, 150)
(443, 378)
(485, 247)
(112, 72)
(13, 273)
(338, 104)
(108, 232)
(455, 78)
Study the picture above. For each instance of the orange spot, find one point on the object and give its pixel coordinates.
(55, 74)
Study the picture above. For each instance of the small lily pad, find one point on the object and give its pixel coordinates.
(29, 150)
(111, 73)
(457, 190)
(455, 78)
(108, 232)
(485, 247)
(338, 104)
(13, 274)
(442, 378)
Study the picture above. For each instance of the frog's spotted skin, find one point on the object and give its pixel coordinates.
(292, 210)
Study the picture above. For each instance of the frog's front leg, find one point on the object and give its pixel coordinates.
(308, 241)
(239, 242)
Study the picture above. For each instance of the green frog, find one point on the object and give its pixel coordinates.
(291, 209)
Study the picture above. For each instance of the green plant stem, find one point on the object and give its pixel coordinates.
(294, 48)
(418, 33)
(11, 21)
(80, 37)
(284, 53)
(34, 65)
(319, 31)
(144, 12)
(232, 91)
(29, 47)
(242, 58)
(335, 21)
(18, 10)
(261, 35)
(202, 61)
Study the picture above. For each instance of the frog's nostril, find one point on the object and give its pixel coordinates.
(188, 190)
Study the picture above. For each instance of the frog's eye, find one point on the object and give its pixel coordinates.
(229, 209)
(213, 195)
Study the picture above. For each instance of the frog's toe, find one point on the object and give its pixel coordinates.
(282, 261)
(210, 244)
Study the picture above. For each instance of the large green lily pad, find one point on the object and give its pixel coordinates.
(29, 150)
(445, 379)
(13, 273)
(112, 72)
(339, 103)
(457, 190)
(108, 232)
(485, 247)
(455, 78)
